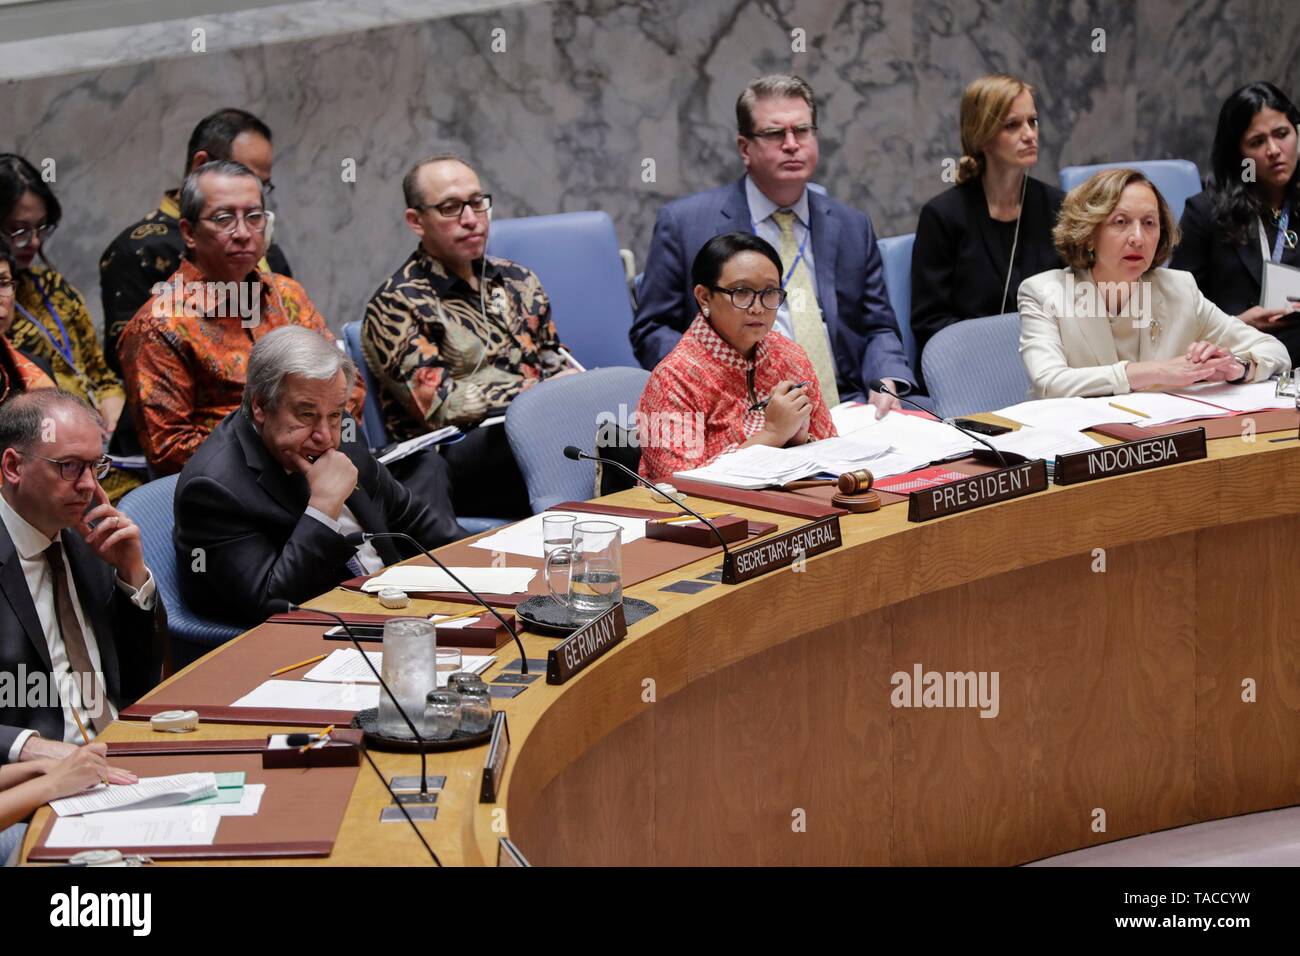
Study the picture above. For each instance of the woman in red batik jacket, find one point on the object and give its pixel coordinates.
(731, 382)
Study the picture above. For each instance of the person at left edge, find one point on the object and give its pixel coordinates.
(185, 353)
(81, 599)
(18, 372)
(51, 323)
(837, 309)
(263, 506)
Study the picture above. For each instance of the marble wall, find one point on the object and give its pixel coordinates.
(586, 91)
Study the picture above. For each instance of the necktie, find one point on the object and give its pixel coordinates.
(74, 642)
(805, 312)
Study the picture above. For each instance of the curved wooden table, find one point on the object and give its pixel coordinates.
(1127, 619)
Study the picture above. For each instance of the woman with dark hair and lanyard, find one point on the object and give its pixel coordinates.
(51, 322)
(1249, 211)
(976, 242)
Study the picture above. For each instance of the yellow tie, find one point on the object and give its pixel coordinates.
(805, 313)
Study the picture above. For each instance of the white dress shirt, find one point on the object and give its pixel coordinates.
(765, 227)
(30, 545)
(345, 525)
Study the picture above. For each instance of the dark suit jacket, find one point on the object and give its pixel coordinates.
(850, 283)
(959, 261)
(1229, 275)
(129, 655)
(260, 546)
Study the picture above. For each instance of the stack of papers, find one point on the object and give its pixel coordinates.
(1069, 414)
(311, 695)
(412, 577)
(1254, 397)
(525, 537)
(191, 825)
(147, 793)
(345, 664)
(405, 449)
(1043, 442)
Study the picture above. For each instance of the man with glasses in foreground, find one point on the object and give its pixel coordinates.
(454, 335)
(77, 643)
(837, 308)
(185, 353)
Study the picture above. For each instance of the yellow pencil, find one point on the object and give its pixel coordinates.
(1131, 411)
(459, 617)
(323, 736)
(687, 519)
(294, 667)
(85, 736)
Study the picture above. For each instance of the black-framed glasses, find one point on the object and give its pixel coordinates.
(776, 135)
(70, 469)
(455, 208)
(22, 238)
(742, 297)
(228, 222)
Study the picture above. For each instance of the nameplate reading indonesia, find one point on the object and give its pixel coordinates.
(1130, 456)
(585, 645)
(977, 491)
(782, 550)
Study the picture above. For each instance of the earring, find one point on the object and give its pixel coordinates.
(1092, 254)
(706, 313)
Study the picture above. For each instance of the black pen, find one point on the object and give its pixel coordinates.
(759, 406)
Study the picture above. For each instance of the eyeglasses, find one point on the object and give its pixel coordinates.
(776, 136)
(22, 238)
(72, 468)
(743, 297)
(228, 222)
(7, 286)
(455, 208)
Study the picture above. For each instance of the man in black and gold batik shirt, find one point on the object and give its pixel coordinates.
(454, 335)
(149, 251)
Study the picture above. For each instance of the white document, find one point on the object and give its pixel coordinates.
(148, 792)
(1043, 442)
(410, 577)
(311, 695)
(1164, 408)
(525, 537)
(345, 664)
(115, 830)
(849, 417)
(1069, 414)
(1281, 284)
(1252, 397)
(420, 442)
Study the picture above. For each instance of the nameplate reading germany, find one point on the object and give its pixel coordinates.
(1130, 456)
(977, 491)
(585, 645)
(782, 550)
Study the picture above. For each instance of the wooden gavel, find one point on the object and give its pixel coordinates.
(849, 483)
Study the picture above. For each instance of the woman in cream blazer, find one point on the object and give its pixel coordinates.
(1111, 323)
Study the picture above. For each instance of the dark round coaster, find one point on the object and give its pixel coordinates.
(368, 722)
(545, 615)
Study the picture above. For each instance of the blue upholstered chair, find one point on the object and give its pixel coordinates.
(1177, 179)
(896, 257)
(974, 366)
(567, 411)
(576, 257)
(191, 636)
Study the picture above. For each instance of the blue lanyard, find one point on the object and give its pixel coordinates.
(807, 234)
(63, 344)
(1281, 235)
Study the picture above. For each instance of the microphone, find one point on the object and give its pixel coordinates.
(577, 454)
(879, 385)
(358, 538)
(289, 606)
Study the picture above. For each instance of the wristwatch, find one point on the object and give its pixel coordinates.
(1247, 365)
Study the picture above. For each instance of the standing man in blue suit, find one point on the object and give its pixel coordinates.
(837, 307)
